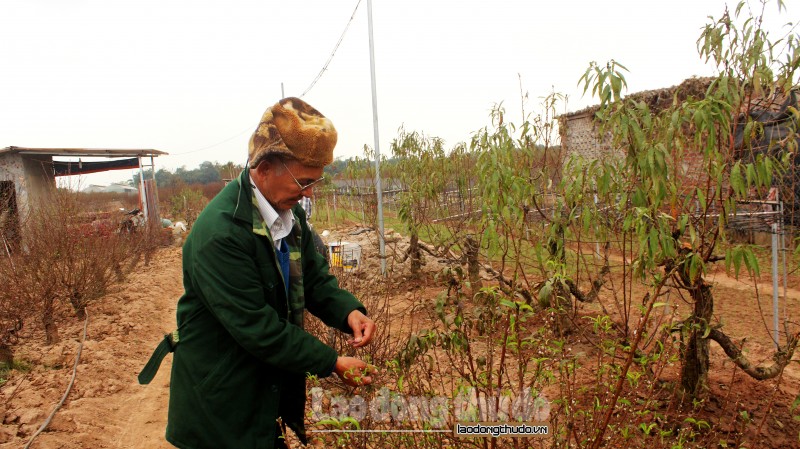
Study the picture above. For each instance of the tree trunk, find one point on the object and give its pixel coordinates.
(560, 299)
(471, 249)
(6, 354)
(415, 255)
(78, 305)
(563, 306)
(694, 373)
(49, 323)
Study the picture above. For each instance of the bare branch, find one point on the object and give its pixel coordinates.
(597, 284)
(506, 286)
(781, 358)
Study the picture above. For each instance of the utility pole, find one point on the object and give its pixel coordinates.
(378, 189)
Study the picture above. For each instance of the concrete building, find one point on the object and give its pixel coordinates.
(27, 175)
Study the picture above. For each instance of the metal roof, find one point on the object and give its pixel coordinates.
(83, 152)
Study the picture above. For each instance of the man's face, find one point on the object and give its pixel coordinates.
(278, 182)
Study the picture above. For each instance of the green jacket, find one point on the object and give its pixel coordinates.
(242, 358)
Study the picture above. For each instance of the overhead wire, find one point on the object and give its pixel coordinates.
(333, 53)
(311, 86)
(214, 144)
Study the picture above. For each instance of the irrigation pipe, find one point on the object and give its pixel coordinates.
(69, 387)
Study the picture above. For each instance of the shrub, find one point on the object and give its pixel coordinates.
(62, 263)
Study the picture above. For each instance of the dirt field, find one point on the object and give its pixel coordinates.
(108, 409)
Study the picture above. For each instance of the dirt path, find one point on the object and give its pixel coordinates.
(106, 408)
(764, 288)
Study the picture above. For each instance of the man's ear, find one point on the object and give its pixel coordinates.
(262, 168)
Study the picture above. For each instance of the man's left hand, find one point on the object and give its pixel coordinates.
(363, 328)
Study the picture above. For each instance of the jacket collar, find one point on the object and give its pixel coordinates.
(247, 208)
(244, 200)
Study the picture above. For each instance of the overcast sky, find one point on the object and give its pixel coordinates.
(192, 78)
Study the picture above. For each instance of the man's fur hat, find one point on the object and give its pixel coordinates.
(293, 128)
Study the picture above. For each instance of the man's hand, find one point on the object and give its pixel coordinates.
(353, 371)
(363, 328)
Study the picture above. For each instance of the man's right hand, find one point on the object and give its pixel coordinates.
(353, 371)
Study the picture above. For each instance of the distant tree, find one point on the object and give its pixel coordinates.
(136, 179)
(228, 170)
(164, 178)
(183, 174)
(337, 166)
(207, 173)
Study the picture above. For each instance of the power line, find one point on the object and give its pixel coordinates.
(215, 144)
(319, 75)
(325, 67)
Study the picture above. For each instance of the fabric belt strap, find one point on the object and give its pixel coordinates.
(166, 346)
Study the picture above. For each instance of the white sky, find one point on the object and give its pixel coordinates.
(192, 78)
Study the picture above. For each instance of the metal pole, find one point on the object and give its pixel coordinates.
(283, 95)
(597, 241)
(155, 212)
(775, 280)
(378, 189)
(783, 255)
(142, 192)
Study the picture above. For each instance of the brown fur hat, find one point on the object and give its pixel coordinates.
(293, 128)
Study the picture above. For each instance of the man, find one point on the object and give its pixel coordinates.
(249, 271)
(320, 246)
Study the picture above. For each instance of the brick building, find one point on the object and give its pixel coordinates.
(580, 136)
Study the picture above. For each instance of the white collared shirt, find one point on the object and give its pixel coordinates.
(280, 223)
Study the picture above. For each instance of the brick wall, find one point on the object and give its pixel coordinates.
(579, 136)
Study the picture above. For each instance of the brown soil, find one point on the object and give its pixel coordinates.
(108, 409)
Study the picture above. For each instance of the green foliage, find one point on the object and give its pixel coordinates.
(206, 173)
(418, 168)
(15, 365)
(187, 204)
(652, 215)
(606, 83)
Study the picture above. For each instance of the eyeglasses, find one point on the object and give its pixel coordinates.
(302, 187)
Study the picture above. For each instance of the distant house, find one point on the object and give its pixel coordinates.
(94, 188)
(120, 188)
(113, 188)
(580, 135)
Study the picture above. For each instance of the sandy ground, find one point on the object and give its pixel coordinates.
(107, 408)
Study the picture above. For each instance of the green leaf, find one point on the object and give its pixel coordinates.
(706, 330)
(751, 262)
(694, 266)
(701, 198)
(352, 421)
(737, 182)
(796, 403)
(546, 293)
